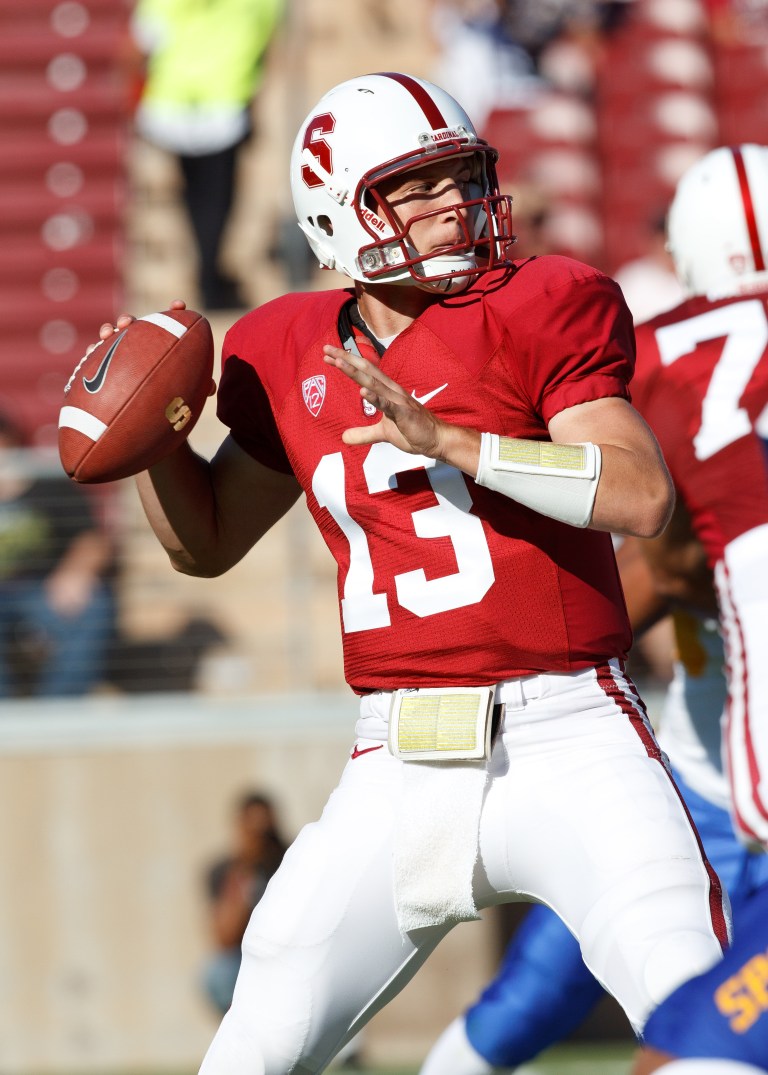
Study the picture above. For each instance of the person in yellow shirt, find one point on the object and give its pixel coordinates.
(204, 65)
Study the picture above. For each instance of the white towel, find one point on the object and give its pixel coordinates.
(436, 842)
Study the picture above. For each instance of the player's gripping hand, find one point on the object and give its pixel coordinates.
(405, 422)
(124, 320)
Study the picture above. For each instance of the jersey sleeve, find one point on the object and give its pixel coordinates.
(243, 405)
(580, 345)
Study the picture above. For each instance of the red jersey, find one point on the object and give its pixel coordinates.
(701, 383)
(442, 582)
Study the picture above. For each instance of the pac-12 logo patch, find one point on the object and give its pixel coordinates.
(313, 390)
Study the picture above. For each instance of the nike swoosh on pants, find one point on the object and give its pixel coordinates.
(366, 750)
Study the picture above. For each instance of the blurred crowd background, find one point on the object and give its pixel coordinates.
(134, 703)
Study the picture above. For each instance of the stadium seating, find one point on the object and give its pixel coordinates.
(609, 145)
(62, 193)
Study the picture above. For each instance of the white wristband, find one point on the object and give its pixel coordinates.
(558, 480)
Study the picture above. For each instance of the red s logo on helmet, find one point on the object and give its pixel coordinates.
(318, 147)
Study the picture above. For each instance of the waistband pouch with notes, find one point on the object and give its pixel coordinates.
(441, 723)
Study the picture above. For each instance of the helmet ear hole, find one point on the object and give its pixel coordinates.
(325, 224)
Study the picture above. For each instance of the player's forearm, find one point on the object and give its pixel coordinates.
(635, 495)
(208, 515)
(585, 484)
(458, 446)
(556, 480)
(178, 500)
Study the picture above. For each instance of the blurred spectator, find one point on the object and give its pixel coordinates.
(649, 282)
(531, 220)
(479, 62)
(235, 884)
(492, 50)
(536, 24)
(56, 603)
(204, 64)
(170, 663)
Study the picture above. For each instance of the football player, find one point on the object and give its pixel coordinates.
(702, 383)
(460, 426)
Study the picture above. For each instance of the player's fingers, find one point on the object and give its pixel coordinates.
(363, 435)
(349, 361)
(360, 370)
(108, 329)
(177, 304)
(212, 389)
(346, 361)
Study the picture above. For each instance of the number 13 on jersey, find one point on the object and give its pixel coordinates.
(362, 607)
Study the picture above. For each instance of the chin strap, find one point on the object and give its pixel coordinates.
(558, 480)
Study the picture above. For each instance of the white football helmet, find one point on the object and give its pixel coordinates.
(372, 128)
(717, 228)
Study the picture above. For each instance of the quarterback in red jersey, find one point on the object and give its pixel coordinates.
(702, 383)
(460, 426)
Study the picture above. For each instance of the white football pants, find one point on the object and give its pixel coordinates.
(579, 813)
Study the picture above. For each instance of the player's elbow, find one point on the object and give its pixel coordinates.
(186, 564)
(642, 512)
(656, 509)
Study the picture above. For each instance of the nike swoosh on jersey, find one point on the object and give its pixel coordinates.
(366, 750)
(429, 395)
(93, 384)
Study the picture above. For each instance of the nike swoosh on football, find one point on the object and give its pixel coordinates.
(366, 750)
(429, 395)
(93, 384)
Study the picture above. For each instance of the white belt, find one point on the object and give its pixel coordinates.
(375, 708)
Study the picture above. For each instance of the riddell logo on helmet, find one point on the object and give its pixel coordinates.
(370, 218)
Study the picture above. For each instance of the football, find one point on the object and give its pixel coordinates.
(136, 396)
